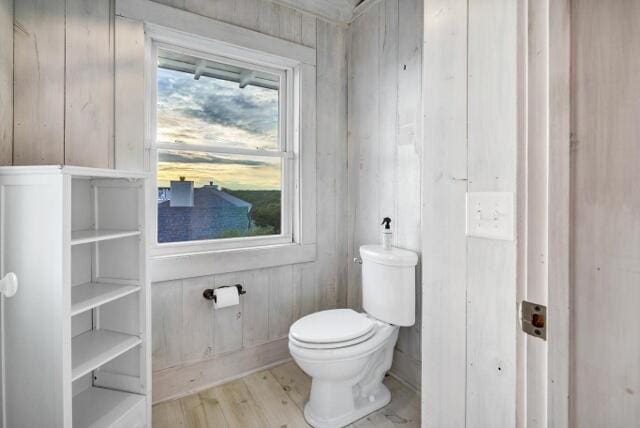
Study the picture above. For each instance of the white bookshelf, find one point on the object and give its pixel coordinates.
(101, 407)
(94, 348)
(88, 236)
(94, 294)
(77, 335)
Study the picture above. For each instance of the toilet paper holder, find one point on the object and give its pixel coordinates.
(209, 295)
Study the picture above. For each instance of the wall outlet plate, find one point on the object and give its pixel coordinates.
(491, 215)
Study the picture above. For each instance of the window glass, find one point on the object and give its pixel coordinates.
(206, 111)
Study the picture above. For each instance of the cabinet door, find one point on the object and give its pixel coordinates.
(37, 330)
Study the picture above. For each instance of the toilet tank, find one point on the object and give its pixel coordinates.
(389, 284)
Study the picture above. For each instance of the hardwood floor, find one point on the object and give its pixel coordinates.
(273, 398)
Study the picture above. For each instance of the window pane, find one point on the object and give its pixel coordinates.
(204, 102)
(213, 196)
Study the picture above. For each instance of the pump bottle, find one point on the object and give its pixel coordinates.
(387, 235)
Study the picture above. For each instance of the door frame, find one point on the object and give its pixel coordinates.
(545, 210)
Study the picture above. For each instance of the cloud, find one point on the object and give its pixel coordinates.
(252, 109)
(206, 158)
(230, 175)
(215, 112)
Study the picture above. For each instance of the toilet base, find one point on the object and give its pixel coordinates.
(363, 406)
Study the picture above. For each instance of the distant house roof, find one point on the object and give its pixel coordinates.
(210, 196)
(213, 212)
(212, 190)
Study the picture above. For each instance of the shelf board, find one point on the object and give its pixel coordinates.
(99, 407)
(93, 294)
(94, 348)
(91, 235)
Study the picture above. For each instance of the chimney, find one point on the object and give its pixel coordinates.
(215, 186)
(181, 193)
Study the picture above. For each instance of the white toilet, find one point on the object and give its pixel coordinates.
(347, 353)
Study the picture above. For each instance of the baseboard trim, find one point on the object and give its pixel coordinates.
(177, 382)
(406, 370)
(406, 384)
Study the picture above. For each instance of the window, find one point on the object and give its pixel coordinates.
(224, 167)
(229, 118)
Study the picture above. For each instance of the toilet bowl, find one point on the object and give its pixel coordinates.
(347, 372)
(347, 353)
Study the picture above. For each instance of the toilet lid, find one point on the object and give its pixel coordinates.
(335, 325)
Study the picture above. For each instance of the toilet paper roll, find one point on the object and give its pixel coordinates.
(225, 296)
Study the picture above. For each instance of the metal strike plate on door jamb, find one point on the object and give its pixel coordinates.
(534, 319)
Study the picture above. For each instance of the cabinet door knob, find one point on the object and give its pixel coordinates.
(9, 284)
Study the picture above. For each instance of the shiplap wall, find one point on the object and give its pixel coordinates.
(605, 101)
(188, 336)
(471, 131)
(385, 146)
(6, 82)
(6, 98)
(444, 262)
(65, 55)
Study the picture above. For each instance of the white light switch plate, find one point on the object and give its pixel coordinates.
(490, 215)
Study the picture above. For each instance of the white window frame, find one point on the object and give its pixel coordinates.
(196, 33)
(287, 149)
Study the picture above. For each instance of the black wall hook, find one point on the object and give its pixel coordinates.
(209, 295)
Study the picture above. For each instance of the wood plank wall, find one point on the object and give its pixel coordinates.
(189, 337)
(605, 325)
(66, 55)
(6, 82)
(444, 261)
(64, 73)
(385, 146)
(6, 104)
(63, 66)
(471, 125)
(491, 264)
(39, 79)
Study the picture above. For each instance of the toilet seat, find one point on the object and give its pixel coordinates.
(332, 328)
(334, 345)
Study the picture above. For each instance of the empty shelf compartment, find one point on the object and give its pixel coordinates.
(94, 348)
(98, 407)
(93, 294)
(95, 235)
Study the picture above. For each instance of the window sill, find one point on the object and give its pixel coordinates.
(180, 266)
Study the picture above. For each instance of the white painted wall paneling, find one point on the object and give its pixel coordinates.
(605, 100)
(407, 189)
(6, 122)
(129, 109)
(331, 163)
(293, 290)
(260, 15)
(192, 23)
(6, 82)
(89, 53)
(385, 58)
(491, 264)
(444, 259)
(275, 296)
(39, 70)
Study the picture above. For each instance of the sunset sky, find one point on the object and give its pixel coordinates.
(216, 112)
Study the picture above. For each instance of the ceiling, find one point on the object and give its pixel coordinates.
(332, 10)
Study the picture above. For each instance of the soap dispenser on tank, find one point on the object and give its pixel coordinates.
(387, 234)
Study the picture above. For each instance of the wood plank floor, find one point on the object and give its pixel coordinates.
(273, 398)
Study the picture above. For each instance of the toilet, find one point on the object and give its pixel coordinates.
(347, 353)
